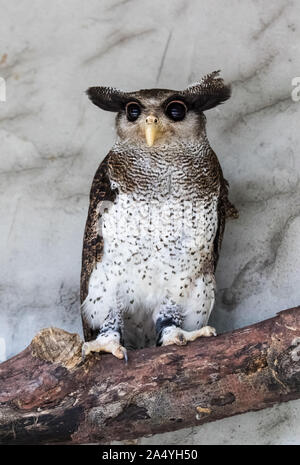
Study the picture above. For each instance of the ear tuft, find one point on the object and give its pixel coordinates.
(107, 98)
(209, 92)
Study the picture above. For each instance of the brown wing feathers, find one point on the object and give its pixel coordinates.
(225, 210)
(93, 242)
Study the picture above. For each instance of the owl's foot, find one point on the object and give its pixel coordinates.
(175, 335)
(107, 342)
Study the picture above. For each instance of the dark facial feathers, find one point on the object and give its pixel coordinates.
(209, 92)
(109, 98)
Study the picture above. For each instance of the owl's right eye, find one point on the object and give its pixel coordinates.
(176, 110)
(133, 111)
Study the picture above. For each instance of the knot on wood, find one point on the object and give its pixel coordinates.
(57, 346)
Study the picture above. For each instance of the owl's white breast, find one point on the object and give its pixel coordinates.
(152, 249)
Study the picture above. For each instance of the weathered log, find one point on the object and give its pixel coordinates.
(47, 395)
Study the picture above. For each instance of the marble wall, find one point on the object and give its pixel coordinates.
(52, 139)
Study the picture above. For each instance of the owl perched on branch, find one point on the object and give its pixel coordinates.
(155, 223)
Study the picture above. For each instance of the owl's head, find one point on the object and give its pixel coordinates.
(162, 116)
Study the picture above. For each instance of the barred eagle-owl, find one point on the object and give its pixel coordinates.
(156, 218)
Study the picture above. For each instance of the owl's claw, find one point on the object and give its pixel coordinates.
(174, 335)
(125, 355)
(207, 331)
(105, 343)
(83, 353)
(120, 352)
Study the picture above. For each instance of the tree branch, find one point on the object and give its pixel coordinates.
(47, 395)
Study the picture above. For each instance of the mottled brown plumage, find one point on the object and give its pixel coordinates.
(93, 241)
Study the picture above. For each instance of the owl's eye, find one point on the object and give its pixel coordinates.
(176, 110)
(133, 111)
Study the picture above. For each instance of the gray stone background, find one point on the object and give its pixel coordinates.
(52, 140)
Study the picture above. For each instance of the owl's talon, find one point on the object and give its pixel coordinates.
(125, 355)
(180, 337)
(208, 331)
(120, 352)
(105, 344)
(82, 354)
(85, 350)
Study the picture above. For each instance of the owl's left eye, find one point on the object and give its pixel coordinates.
(176, 110)
(133, 111)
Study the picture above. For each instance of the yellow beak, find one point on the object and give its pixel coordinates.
(151, 130)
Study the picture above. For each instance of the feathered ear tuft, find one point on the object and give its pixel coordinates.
(108, 98)
(207, 93)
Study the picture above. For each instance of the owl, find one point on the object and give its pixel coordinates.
(156, 219)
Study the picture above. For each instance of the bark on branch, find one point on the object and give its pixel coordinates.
(48, 396)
